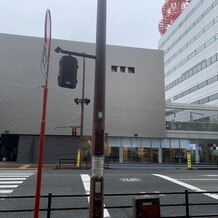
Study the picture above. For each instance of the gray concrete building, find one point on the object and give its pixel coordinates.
(135, 102)
(138, 128)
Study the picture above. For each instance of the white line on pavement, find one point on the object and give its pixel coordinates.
(215, 196)
(12, 176)
(5, 191)
(8, 186)
(9, 179)
(210, 175)
(10, 182)
(86, 184)
(198, 179)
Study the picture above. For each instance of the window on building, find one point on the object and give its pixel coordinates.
(114, 68)
(210, 41)
(208, 26)
(122, 69)
(199, 68)
(199, 34)
(204, 100)
(194, 88)
(203, 65)
(213, 97)
(208, 61)
(212, 79)
(131, 70)
(207, 10)
(202, 84)
(186, 92)
(213, 59)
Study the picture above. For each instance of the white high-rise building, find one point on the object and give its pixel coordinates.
(190, 48)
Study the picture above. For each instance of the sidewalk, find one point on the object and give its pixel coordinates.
(112, 166)
(23, 166)
(163, 166)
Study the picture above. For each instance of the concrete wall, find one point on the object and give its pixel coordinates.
(56, 147)
(134, 101)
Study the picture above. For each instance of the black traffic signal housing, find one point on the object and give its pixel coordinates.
(87, 101)
(67, 77)
(74, 131)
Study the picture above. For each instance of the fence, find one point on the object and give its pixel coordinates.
(186, 203)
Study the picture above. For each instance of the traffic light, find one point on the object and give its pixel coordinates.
(67, 77)
(74, 132)
(87, 101)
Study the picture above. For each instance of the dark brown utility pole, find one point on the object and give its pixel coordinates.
(97, 172)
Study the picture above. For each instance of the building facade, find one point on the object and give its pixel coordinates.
(135, 119)
(135, 105)
(190, 48)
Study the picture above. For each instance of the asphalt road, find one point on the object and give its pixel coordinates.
(76, 182)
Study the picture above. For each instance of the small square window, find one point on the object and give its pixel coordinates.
(122, 69)
(131, 70)
(114, 68)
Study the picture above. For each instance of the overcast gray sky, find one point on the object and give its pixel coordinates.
(131, 23)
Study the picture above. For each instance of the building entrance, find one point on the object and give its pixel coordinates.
(9, 147)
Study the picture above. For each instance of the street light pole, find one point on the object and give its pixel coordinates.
(96, 208)
(81, 101)
(82, 114)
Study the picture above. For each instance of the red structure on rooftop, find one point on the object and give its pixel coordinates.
(171, 10)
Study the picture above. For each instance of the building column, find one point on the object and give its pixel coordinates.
(120, 155)
(197, 157)
(160, 155)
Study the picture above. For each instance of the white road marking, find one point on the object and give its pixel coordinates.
(11, 182)
(5, 191)
(86, 184)
(8, 186)
(215, 196)
(16, 174)
(210, 175)
(130, 179)
(198, 179)
(9, 179)
(12, 176)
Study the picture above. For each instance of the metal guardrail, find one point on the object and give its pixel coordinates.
(186, 203)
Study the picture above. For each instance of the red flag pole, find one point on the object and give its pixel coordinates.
(46, 58)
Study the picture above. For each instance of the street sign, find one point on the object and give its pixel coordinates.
(45, 69)
(46, 45)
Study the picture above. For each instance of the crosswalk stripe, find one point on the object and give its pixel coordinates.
(198, 179)
(10, 182)
(186, 185)
(8, 186)
(5, 191)
(9, 179)
(15, 176)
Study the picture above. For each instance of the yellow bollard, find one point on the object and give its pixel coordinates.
(78, 159)
(189, 160)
